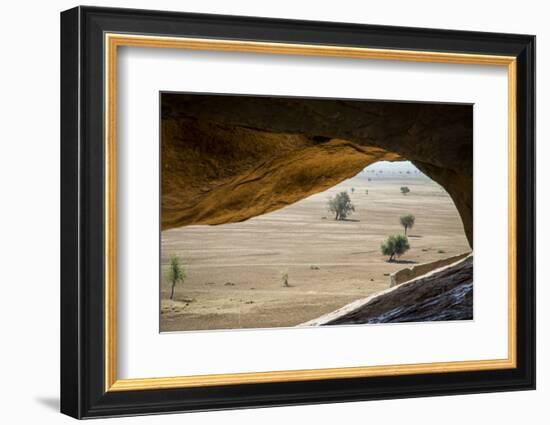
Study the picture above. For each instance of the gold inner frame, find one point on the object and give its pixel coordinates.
(113, 41)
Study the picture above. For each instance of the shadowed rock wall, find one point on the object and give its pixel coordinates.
(443, 294)
(229, 158)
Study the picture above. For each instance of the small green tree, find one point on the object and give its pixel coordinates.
(407, 221)
(284, 278)
(366, 191)
(352, 189)
(176, 273)
(405, 190)
(341, 206)
(395, 245)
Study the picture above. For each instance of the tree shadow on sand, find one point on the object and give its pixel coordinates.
(402, 262)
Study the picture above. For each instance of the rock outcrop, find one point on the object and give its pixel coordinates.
(443, 294)
(417, 270)
(229, 158)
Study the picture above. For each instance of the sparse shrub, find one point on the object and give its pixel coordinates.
(313, 267)
(440, 251)
(352, 190)
(395, 245)
(404, 190)
(176, 273)
(366, 191)
(341, 206)
(407, 221)
(284, 278)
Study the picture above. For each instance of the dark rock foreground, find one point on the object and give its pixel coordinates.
(444, 294)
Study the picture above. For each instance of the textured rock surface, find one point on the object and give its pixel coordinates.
(444, 294)
(229, 158)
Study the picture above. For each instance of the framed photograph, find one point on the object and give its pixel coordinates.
(261, 212)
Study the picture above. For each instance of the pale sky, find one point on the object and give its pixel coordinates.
(392, 166)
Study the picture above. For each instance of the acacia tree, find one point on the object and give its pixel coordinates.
(284, 278)
(405, 190)
(407, 221)
(341, 206)
(176, 273)
(395, 245)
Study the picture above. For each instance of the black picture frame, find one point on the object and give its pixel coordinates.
(83, 392)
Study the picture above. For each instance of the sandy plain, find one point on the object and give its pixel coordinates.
(234, 270)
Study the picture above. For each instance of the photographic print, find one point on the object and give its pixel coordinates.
(289, 211)
(254, 183)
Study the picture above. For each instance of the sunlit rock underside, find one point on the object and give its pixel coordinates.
(229, 158)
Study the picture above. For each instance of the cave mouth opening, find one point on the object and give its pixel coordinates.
(225, 158)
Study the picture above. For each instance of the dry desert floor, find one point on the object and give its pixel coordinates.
(234, 270)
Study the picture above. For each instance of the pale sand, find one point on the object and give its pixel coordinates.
(234, 269)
